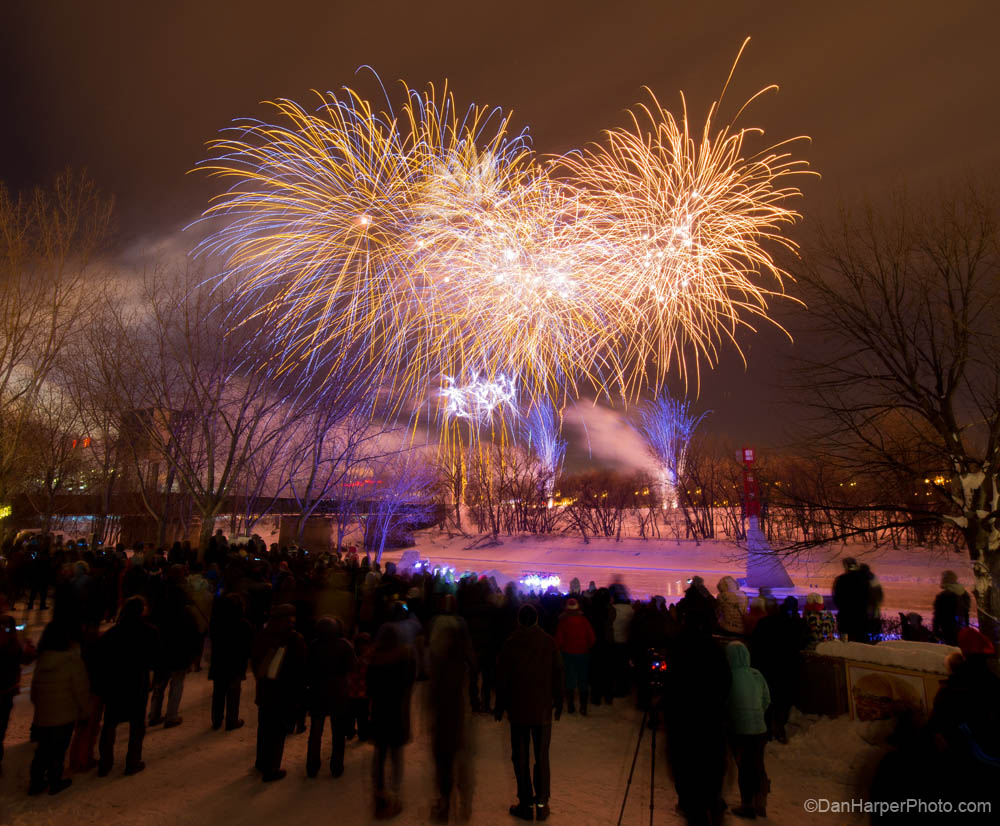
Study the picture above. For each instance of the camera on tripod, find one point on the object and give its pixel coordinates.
(656, 670)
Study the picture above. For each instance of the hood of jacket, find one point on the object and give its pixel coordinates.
(738, 655)
(727, 585)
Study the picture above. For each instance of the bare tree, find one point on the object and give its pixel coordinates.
(203, 396)
(403, 500)
(334, 453)
(906, 301)
(50, 243)
(55, 454)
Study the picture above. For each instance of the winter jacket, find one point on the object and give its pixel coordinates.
(748, 694)
(12, 656)
(452, 659)
(623, 621)
(529, 677)
(180, 639)
(201, 601)
(232, 637)
(821, 625)
(851, 595)
(575, 635)
(285, 689)
(731, 606)
(951, 613)
(330, 659)
(390, 676)
(124, 657)
(59, 688)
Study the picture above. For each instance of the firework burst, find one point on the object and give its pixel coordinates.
(434, 243)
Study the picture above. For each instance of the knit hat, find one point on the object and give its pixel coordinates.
(948, 578)
(972, 641)
(572, 605)
(527, 616)
(284, 610)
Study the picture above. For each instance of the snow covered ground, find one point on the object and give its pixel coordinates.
(196, 776)
(910, 577)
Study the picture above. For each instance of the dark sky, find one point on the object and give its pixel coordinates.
(888, 91)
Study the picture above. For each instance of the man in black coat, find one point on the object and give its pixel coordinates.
(232, 636)
(851, 595)
(331, 658)
(529, 689)
(279, 664)
(694, 703)
(124, 658)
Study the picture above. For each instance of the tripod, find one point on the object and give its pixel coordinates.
(650, 714)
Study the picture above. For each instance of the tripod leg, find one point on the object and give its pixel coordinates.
(628, 785)
(652, 768)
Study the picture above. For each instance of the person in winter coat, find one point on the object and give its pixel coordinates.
(202, 600)
(481, 615)
(730, 607)
(575, 637)
(748, 701)
(232, 637)
(776, 644)
(451, 665)
(529, 691)
(61, 696)
(951, 609)
(819, 621)
(126, 655)
(13, 654)
(851, 595)
(392, 671)
(279, 664)
(180, 640)
(358, 702)
(965, 730)
(330, 660)
(695, 694)
(601, 614)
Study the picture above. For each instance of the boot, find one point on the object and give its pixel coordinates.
(583, 703)
(760, 804)
(571, 702)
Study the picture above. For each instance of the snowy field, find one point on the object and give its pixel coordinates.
(910, 577)
(196, 776)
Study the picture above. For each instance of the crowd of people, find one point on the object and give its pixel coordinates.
(337, 643)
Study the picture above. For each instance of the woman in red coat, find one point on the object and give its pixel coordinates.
(575, 637)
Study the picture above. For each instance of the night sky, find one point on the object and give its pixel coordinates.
(890, 92)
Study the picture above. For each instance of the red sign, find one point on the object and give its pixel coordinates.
(751, 490)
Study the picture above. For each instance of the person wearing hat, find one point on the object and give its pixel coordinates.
(279, 664)
(529, 689)
(575, 637)
(951, 609)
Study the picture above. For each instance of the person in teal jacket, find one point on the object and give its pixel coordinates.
(748, 700)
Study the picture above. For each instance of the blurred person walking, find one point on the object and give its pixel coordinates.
(391, 673)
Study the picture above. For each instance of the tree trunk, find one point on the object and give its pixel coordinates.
(987, 590)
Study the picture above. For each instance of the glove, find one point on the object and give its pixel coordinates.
(558, 711)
